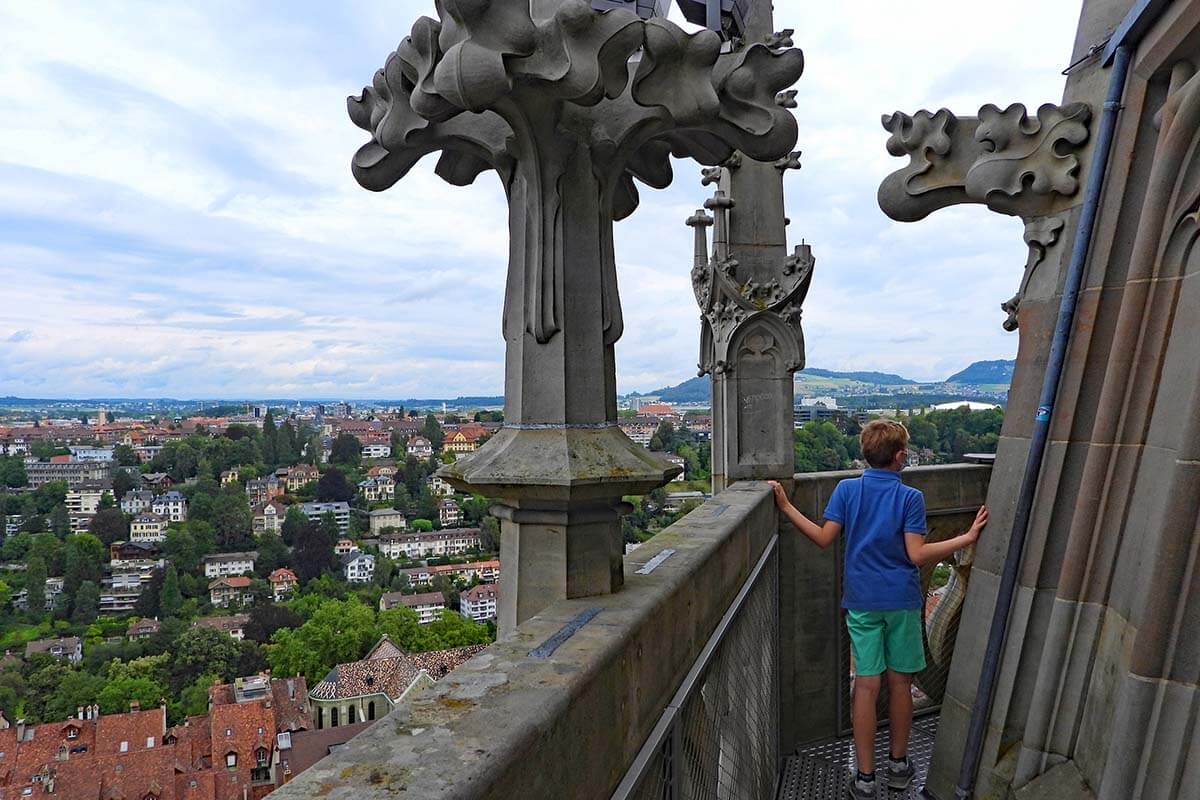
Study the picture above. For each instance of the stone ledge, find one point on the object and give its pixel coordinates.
(506, 724)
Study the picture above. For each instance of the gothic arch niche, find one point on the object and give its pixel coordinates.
(761, 355)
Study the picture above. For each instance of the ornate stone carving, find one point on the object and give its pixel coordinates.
(729, 299)
(571, 107)
(1041, 233)
(1004, 159)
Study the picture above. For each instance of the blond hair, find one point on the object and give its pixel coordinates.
(880, 440)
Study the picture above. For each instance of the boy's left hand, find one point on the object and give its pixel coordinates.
(781, 498)
(981, 519)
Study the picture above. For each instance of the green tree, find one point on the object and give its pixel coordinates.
(272, 554)
(423, 525)
(193, 698)
(201, 651)
(333, 487)
(346, 450)
(288, 450)
(125, 456)
(267, 618)
(170, 599)
(117, 694)
(231, 519)
(12, 472)
(292, 523)
(84, 562)
(270, 445)
(35, 585)
(312, 553)
(60, 522)
(86, 603)
(107, 501)
(339, 631)
(433, 432)
(109, 525)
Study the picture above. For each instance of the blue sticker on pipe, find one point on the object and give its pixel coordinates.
(1043, 414)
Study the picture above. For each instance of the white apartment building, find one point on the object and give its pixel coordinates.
(358, 567)
(479, 602)
(428, 605)
(171, 505)
(221, 564)
(446, 542)
(376, 451)
(340, 511)
(84, 501)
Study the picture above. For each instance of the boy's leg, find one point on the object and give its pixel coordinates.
(866, 629)
(900, 711)
(904, 653)
(866, 695)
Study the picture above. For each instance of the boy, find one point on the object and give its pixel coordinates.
(884, 522)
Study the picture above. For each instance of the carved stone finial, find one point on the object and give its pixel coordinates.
(1003, 159)
(786, 99)
(779, 39)
(790, 161)
(570, 121)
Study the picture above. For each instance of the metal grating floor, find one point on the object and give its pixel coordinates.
(821, 771)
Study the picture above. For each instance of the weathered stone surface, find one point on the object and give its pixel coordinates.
(550, 96)
(507, 724)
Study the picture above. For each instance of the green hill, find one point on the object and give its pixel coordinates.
(985, 372)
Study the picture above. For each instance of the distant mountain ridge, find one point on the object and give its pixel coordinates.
(696, 390)
(985, 372)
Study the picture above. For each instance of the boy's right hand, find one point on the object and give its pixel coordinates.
(981, 519)
(781, 498)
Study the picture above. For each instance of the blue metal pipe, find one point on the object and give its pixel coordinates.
(1041, 427)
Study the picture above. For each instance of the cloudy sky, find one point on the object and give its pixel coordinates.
(178, 218)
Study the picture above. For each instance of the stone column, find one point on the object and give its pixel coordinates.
(750, 293)
(548, 96)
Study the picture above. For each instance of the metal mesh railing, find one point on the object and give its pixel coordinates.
(718, 739)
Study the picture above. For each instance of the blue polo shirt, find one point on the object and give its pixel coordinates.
(876, 511)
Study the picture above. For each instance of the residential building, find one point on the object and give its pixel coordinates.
(148, 527)
(229, 589)
(300, 475)
(367, 690)
(446, 542)
(420, 447)
(380, 489)
(75, 473)
(79, 522)
(464, 440)
(383, 518)
(262, 490)
(449, 513)
(358, 567)
(122, 553)
(283, 582)
(344, 546)
(268, 517)
(438, 486)
(102, 454)
(143, 628)
(121, 589)
(54, 588)
(376, 450)
(428, 605)
(221, 564)
(135, 501)
(85, 501)
(640, 431)
(230, 476)
(233, 625)
(382, 469)
(677, 460)
(232, 752)
(340, 511)
(157, 481)
(69, 647)
(171, 505)
(479, 602)
(486, 571)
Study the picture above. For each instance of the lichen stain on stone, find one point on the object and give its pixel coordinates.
(324, 789)
(455, 702)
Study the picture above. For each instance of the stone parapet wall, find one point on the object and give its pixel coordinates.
(509, 723)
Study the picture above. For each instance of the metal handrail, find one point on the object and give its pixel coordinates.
(667, 727)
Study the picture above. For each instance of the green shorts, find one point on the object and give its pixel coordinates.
(886, 640)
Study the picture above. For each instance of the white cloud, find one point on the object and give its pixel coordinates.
(177, 215)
